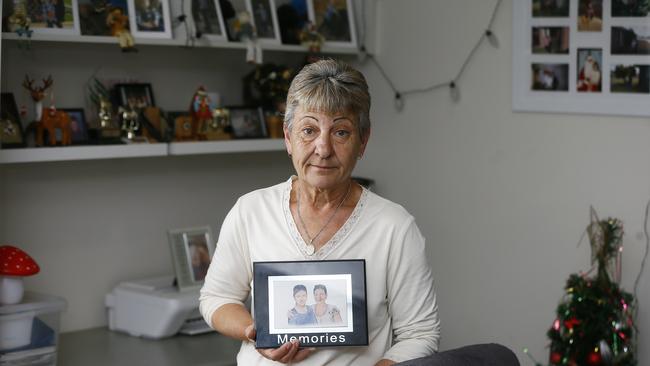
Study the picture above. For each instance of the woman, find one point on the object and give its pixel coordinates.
(323, 214)
(301, 314)
(325, 313)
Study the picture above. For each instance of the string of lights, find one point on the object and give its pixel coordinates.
(451, 84)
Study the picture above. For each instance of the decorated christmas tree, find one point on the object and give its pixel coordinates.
(595, 319)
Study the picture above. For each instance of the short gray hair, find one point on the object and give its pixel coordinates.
(330, 86)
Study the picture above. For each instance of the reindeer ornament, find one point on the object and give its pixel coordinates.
(49, 119)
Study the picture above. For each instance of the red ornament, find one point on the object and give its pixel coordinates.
(570, 323)
(594, 359)
(555, 358)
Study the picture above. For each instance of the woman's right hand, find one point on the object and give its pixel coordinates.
(288, 352)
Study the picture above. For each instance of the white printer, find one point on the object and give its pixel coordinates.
(154, 308)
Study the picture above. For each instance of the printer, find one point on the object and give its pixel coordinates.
(154, 308)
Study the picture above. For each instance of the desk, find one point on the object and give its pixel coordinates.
(102, 347)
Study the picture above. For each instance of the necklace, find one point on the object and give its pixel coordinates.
(310, 245)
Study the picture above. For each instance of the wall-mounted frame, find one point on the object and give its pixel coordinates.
(581, 56)
(192, 250)
(334, 20)
(49, 17)
(150, 18)
(208, 19)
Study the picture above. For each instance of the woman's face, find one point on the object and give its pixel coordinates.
(324, 148)
(320, 295)
(300, 297)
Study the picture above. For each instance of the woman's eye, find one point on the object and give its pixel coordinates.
(342, 133)
(307, 131)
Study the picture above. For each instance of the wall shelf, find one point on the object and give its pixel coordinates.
(229, 146)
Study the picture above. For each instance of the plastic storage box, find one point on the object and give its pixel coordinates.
(29, 331)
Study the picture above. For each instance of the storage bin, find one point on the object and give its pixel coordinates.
(29, 331)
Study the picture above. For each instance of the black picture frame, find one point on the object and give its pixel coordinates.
(11, 129)
(247, 122)
(136, 95)
(277, 288)
(78, 125)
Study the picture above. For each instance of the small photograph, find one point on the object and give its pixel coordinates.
(590, 15)
(150, 18)
(11, 130)
(630, 79)
(52, 16)
(550, 40)
(334, 20)
(94, 15)
(192, 251)
(630, 8)
(550, 8)
(292, 18)
(208, 20)
(247, 122)
(77, 125)
(310, 304)
(265, 19)
(199, 255)
(550, 77)
(630, 41)
(135, 96)
(589, 70)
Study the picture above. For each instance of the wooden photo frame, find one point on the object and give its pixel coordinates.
(247, 122)
(192, 250)
(150, 18)
(11, 130)
(334, 20)
(53, 17)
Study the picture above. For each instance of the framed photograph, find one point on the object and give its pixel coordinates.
(247, 122)
(93, 18)
(334, 19)
(11, 130)
(78, 125)
(53, 16)
(150, 18)
(137, 95)
(265, 20)
(319, 303)
(292, 19)
(192, 250)
(581, 56)
(208, 19)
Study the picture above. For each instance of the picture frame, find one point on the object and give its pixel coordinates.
(288, 295)
(594, 58)
(136, 95)
(93, 19)
(208, 19)
(247, 122)
(292, 18)
(11, 129)
(334, 20)
(265, 19)
(150, 18)
(192, 250)
(78, 125)
(47, 17)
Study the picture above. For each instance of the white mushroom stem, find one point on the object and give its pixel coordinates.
(11, 290)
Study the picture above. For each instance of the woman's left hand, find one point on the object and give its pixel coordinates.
(287, 353)
(385, 362)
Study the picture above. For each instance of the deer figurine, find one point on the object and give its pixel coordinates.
(38, 94)
(49, 119)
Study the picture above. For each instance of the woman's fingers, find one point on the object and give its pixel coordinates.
(292, 352)
(303, 353)
(288, 352)
(250, 332)
(276, 354)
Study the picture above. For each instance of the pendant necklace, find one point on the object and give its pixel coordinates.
(310, 245)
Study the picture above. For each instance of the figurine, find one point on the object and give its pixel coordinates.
(105, 114)
(118, 22)
(51, 121)
(311, 38)
(201, 113)
(245, 32)
(19, 23)
(37, 94)
(130, 123)
(217, 127)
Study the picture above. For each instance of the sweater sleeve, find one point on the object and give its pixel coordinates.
(230, 273)
(411, 297)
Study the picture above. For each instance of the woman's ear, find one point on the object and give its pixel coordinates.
(364, 142)
(287, 140)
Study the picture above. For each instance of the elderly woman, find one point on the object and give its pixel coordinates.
(322, 214)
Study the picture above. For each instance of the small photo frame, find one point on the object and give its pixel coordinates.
(78, 125)
(550, 40)
(11, 130)
(550, 9)
(137, 95)
(247, 122)
(265, 20)
(590, 70)
(208, 19)
(192, 250)
(626, 78)
(53, 16)
(93, 19)
(319, 303)
(549, 77)
(334, 20)
(150, 18)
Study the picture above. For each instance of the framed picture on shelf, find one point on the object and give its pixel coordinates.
(94, 20)
(11, 130)
(136, 95)
(78, 125)
(208, 19)
(292, 19)
(334, 20)
(288, 295)
(150, 18)
(265, 20)
(582, 56)
(192, 250)
(247, 122)
(53, 16)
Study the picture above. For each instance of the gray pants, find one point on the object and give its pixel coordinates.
(490, 354)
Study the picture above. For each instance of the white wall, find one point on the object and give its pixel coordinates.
(501, 197)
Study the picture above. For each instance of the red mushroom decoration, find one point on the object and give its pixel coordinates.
(14, 265)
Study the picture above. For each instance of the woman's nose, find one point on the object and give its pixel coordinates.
(324, 145)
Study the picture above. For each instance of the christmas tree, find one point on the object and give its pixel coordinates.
(595, 319)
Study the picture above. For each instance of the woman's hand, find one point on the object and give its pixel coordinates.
(288, 352)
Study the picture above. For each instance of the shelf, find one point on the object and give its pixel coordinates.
(95, 152)
(71, 38)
